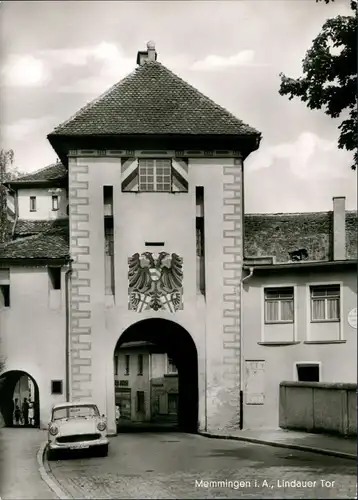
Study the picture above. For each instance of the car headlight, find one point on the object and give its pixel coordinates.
(53, 430)
(101, 426)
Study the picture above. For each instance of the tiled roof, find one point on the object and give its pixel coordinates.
(153, 100)
(278, 234)
(52, 172)
(265, 235)
(25, 227)
(51, 244)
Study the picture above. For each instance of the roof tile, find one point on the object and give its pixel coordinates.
(52, 172)
(153, 100)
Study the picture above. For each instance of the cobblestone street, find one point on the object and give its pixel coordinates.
(176, 465)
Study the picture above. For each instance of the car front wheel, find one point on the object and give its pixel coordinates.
(103, 450)
(51, 454)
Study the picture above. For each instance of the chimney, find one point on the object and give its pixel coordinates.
(149, 55)
(339, 228)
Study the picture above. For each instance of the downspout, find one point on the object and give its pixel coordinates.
(68, 330)
(251, 269)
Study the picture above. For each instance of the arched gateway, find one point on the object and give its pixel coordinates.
(17, 385)
(156, 374)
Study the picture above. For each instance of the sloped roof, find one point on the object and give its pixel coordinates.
(26, 227)
(265, 235)
(55, 171)
(153, 100)
(278, 234)
(51, 244)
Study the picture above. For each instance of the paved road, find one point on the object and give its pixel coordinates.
(19, 470)
(175, 465)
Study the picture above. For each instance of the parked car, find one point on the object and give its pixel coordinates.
(76, 426)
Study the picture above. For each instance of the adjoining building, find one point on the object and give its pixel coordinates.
(139, 236)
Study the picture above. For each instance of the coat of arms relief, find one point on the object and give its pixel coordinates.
(155, 282)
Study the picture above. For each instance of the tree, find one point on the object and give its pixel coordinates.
(329, 80)
(6, 161)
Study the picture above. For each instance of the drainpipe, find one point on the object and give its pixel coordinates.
(251, 269)
(68, 317)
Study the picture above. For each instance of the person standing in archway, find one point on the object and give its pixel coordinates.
(25, 411)
(11, 412)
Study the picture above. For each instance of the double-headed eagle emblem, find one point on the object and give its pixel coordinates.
(155, 281)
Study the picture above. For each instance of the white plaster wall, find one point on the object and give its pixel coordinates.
(43, 204)
(338, 360)
(32, 334)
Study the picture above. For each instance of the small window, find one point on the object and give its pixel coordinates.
(140, 364)
(172, 403)
(55, 202)
(325, 303)
(33, 204)
(279, 305)
(171, 367)
(308, 372)
(56, 387)
(155, 175)
(140, 402)
(116, 365)
(127, 361)
(55, 277)
(4, 295)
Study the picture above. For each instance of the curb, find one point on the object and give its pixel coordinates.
(47, 476)
(276, 444)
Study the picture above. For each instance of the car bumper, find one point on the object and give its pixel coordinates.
(82, 445)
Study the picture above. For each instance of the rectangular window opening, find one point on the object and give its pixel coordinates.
(200, 241)
(171, 367)
(127, 361)
(325, 303)
(155, 175)
(32, 203)
(140, 364)
(308, 372)
(4, 295)
(279, 305)
(140, 402)
(108, 201)
(55, 277)
(116, 365)
(56, 387)
(172, 403)
(54, 202)
(109, 271)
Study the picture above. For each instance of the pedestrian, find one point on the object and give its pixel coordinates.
(25, 411)
(17, 414)
(11, 411)
(31, 413)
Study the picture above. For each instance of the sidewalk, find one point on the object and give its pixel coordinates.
(20, 474)
(304, 441)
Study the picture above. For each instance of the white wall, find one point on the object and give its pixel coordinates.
(32, 332)
(43, 204)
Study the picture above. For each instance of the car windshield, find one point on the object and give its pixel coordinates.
(80, 411)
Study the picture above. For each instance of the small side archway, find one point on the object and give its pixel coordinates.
(159, 336)
(17, 384)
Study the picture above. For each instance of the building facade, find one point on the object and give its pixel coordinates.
(138, 236)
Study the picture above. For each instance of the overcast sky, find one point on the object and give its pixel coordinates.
(56, 56)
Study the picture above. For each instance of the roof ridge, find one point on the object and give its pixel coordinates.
(321, 212)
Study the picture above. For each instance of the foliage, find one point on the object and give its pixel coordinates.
(329, 80)
(6, 162)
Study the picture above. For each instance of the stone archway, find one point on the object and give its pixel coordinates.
(9, 381)
(158, 337)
